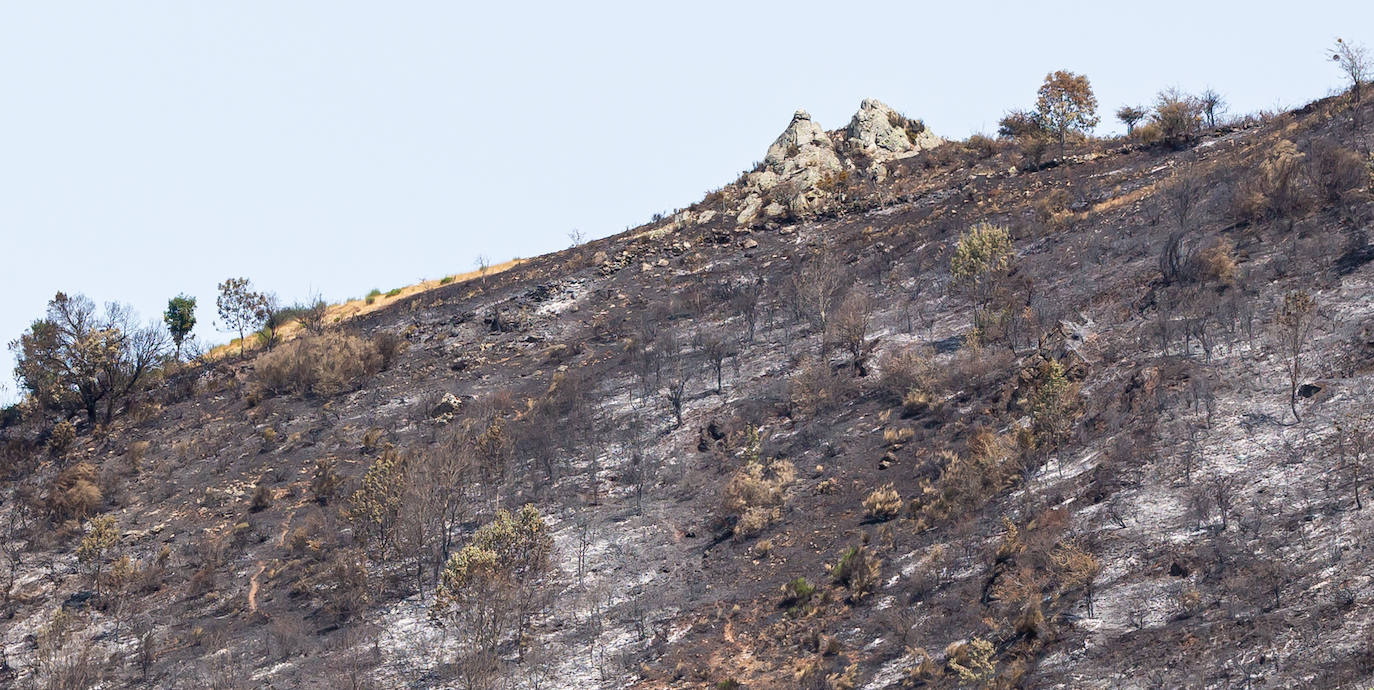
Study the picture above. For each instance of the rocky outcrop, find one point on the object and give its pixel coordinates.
(804, 155)
(884, 134)
(803, 149)
(795, 164)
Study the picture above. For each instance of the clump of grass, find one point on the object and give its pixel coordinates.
(882, 504)
(446, 280)
(393, 292)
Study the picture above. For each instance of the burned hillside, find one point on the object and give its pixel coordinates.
(888, 411)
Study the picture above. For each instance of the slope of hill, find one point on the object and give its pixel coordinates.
(771, 450)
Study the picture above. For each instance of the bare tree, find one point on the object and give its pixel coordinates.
(1354, 62)
(1354, 447)
(744, 300)
(483, 264)
(717, 349)
(817, 286)
(1294, 324)
(850, 328)
(13, 544)
(1183, 196)
(677, 374)
(1212, 105)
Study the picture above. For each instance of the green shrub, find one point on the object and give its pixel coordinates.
(62, 437)
(858, 571)
(446, 280)
(797, 594)
(393, 292)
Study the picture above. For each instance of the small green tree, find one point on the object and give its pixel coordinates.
(982, 257)
(1050, 404)
(375, 507)
(101, 537)
(489, 586)
(240, 308)
(180, 318)
(1066, 104)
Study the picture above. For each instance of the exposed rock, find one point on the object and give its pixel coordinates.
(750, 211)
(883, 134)
(803, 148)
(798, 160)
(750, 243)
(447, 405)
(763, 180)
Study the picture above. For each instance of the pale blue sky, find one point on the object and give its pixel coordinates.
(151, 148)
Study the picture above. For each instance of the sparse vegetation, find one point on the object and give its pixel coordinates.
(1096, 456)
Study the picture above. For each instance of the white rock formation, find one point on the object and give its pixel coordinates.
(882, 133)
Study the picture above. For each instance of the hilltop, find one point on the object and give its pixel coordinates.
(887, 411)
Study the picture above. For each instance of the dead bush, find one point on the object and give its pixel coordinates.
(1216, 263)
(75, 494)
(1277, 189)
(324, 482)
(387, 345)
(1050, 208)
(983, 146)
(1336, 171)
(966, 481)
(135, 454)
(1176, 120)
(322, 365)
(816, 388)
(755, 493)
(905, 372)
(262, 499)
(883, 503)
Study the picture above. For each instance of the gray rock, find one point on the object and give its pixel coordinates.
(447, 405)
(880, 132)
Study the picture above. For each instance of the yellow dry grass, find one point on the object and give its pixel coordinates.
(339, 313)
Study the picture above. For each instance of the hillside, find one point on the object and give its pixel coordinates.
(770, 449)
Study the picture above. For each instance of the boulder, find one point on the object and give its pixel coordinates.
(447, 405)
(752, 205)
